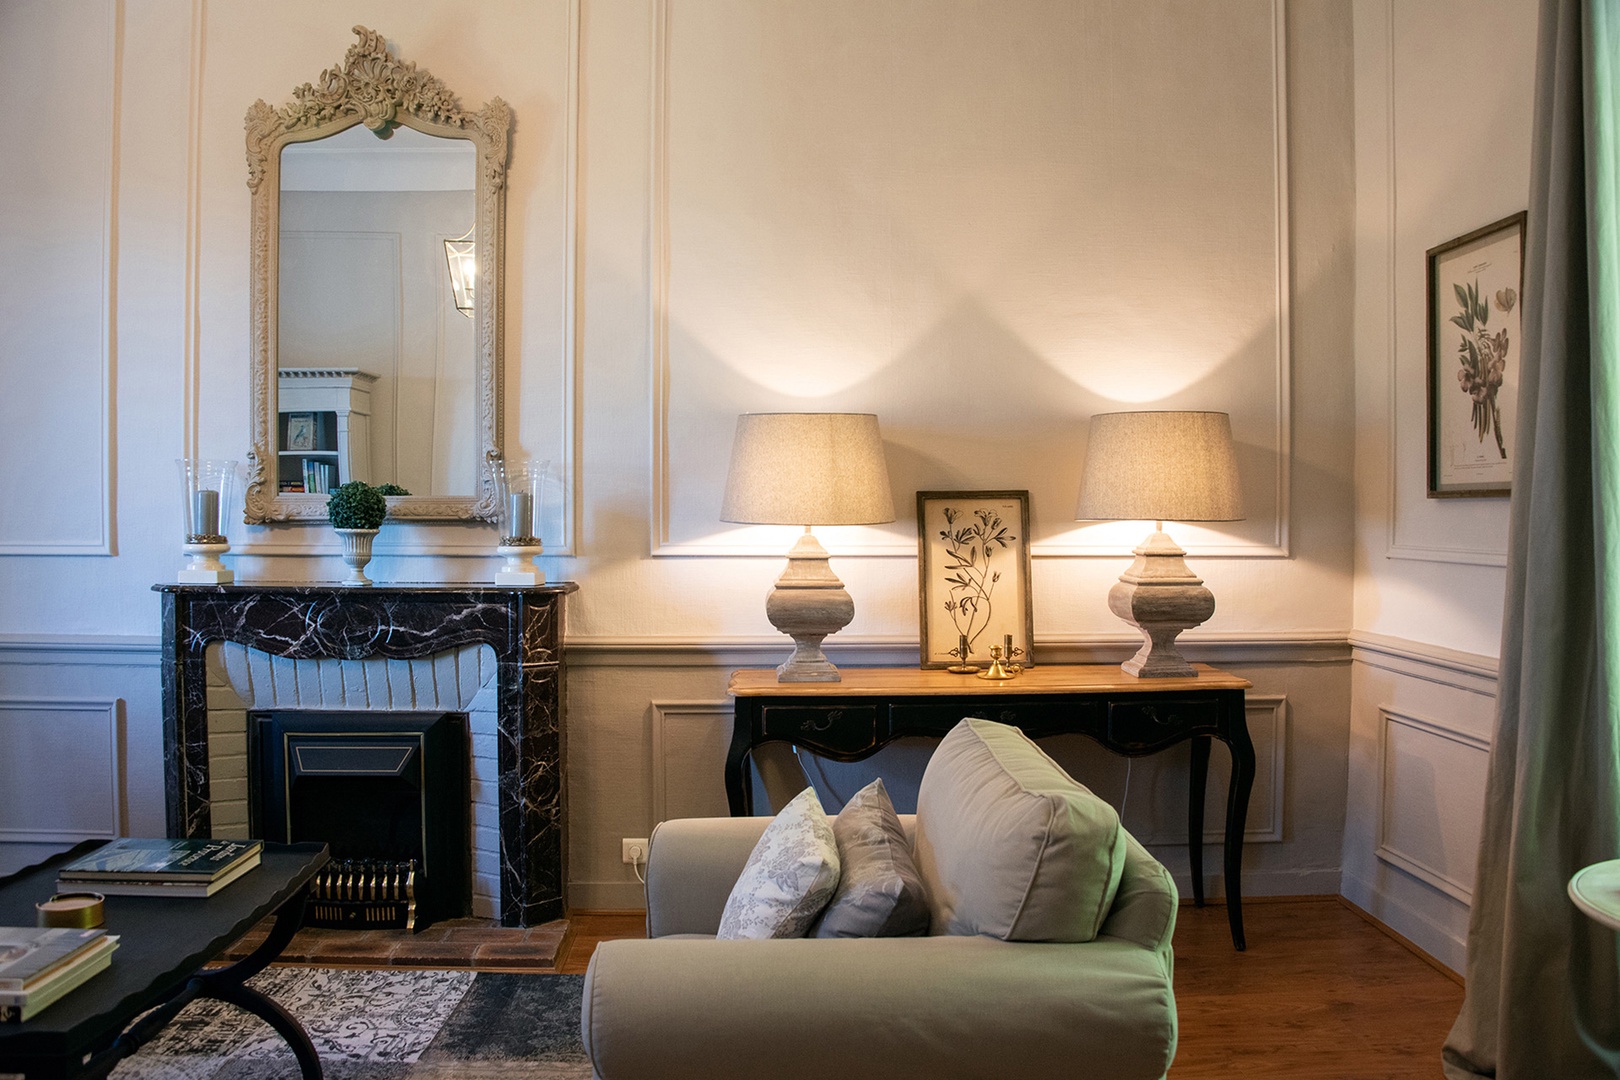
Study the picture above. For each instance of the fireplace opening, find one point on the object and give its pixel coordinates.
(387, 792)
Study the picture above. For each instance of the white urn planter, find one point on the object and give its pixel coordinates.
(356, 553)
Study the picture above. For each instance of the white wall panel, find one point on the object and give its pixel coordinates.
(58, 258)
(61, 775)
(981, 257)
(1432, 800)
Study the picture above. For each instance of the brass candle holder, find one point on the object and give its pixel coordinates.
(999, 672)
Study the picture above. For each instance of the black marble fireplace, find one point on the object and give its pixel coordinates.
(523, 625)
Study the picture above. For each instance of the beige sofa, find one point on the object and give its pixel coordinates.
(682, 1005)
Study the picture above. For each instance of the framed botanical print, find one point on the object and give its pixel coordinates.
(973, 577)
(1476, 283)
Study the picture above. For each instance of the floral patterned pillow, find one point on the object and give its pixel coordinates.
(789, 877)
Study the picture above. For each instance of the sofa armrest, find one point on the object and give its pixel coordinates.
(899, 1008)
(692, 864)
(1144, 910)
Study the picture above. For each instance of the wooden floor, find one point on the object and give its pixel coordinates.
(1319, 992)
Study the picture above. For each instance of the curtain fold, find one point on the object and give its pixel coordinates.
(1542, 978)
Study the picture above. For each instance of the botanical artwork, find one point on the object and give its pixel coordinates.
(974, 576)
(1475, 286)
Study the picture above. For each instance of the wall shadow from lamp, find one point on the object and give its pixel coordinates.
(808, 469)
(1160, 466)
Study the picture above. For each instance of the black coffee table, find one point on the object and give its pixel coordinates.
(163, 945)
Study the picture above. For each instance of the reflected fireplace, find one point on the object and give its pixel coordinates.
(386, 792)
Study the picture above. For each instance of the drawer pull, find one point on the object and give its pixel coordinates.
(826, 721)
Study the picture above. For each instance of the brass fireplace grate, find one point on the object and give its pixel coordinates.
(364, 894)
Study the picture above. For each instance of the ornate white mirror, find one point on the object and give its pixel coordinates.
(378, 205)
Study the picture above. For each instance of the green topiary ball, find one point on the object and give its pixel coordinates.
(356, 505)
(390, 489)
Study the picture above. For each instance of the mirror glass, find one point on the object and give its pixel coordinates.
(375, 363)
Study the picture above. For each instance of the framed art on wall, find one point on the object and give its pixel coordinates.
(973, 577)
(1475, 285)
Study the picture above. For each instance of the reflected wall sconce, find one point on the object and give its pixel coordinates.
(808, 469)
(1160, 466)
(461, 255)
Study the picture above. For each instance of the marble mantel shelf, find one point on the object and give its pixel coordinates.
(524, 627)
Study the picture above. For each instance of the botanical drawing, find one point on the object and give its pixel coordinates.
(972, 583)
(1483, 357)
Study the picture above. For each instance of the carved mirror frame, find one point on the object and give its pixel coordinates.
(382, 92)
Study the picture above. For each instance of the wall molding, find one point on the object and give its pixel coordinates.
(658, 333)
(1271, 830)
(105, 543)
(98, 650)
(117, 816)
(664, 714)
(1393, 547)
(1431, 663)
(1404, 860)
(1301, 647)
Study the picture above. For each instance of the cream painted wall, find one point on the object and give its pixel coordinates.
(1444, 97)
(652, 636)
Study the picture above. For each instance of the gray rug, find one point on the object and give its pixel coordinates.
(381, 1025)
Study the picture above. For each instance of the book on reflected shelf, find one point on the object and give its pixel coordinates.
(39, 966)
(138, 867)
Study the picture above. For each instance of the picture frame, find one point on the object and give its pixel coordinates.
(1475, 289)
(300, 431)
(962, 592)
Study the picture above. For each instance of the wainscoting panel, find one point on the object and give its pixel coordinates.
(1422, 719)
(1431, 801)
(688, 746)
(61, 776)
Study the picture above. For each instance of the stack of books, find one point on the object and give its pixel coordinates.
(38, 966)
(134, 867)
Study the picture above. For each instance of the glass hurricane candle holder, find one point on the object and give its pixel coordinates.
(521, 488)
(207, 487)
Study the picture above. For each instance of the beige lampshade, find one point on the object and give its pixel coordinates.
(1160, 466)
(807, 469)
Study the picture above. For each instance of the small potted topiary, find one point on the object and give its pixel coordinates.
(356, 511)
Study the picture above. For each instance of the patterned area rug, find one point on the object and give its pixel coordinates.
(382, 1025)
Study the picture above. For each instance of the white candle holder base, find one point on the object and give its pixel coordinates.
(356, 553)
(519, 568)
(205, 567)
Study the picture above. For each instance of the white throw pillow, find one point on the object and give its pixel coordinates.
(789, 877)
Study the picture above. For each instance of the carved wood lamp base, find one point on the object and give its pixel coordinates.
(807, 604)
(1160, 597)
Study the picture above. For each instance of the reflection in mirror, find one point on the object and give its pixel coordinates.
(376, 365)
(371, 188)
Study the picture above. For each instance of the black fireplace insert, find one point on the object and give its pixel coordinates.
(387, 792)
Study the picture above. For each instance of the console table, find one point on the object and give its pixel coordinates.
(871, 707)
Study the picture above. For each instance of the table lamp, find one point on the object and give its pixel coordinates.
(1160, 466)
(808, 469)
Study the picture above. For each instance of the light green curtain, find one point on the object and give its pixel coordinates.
(1543, 993)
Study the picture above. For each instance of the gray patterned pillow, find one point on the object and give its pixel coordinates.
(880, 893)
(789, 877)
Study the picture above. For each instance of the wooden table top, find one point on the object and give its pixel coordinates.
(1043, 679)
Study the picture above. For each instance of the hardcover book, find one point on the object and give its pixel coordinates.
(131, 859)
(16, 1006)
(28, 955)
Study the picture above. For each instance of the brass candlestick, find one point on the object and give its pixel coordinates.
(997, 671)
(962, 667)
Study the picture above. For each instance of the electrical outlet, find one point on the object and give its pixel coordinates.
(634, 850)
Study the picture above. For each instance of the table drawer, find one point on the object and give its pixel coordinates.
(837, 729)
(1135, 723)
(1035, 718)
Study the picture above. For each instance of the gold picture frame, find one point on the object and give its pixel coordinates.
(973, 577)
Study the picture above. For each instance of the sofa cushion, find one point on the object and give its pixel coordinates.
(788, 878)
(1009, 845)
(880, 893)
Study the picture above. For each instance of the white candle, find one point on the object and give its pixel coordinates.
(519, 514)
(205, 512)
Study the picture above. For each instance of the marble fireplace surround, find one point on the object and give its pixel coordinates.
(306, 622)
